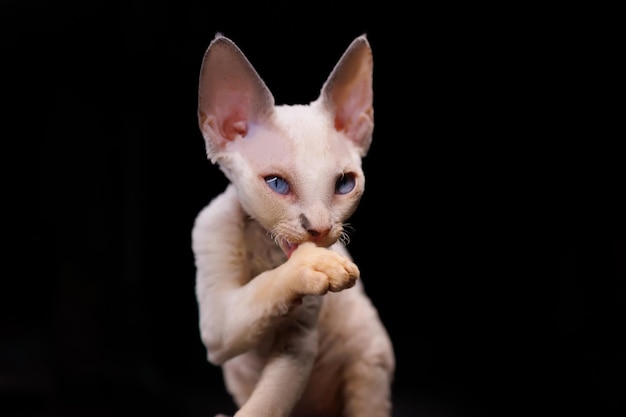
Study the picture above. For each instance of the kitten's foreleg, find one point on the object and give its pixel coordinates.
(238, 318)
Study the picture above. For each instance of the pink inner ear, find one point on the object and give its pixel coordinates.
(233, 113)
(351, 105)
(339, 123)
(236, 128)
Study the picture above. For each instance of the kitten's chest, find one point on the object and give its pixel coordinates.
(262, 252)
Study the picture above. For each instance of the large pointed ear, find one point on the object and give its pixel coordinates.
(231, 95)
(347, 94)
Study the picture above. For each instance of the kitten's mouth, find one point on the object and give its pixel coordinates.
(288, 247)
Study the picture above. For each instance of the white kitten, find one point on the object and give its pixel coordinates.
(281, 306)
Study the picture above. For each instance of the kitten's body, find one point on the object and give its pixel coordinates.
(281, 306)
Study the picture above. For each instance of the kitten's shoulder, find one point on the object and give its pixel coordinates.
(221, 205)
(224, 224)
(220, 217)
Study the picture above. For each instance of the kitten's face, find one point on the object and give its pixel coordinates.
(297, 176)
(297, 169)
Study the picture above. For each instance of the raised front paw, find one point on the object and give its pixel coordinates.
(319, 270)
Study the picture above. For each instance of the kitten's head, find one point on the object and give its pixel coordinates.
(297, 169)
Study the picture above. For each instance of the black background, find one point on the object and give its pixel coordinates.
(490, 236)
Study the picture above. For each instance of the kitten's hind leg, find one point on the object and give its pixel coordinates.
(283, 379)
(278, 389)
(368, 386)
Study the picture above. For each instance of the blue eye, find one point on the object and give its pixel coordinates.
(345, 183)
(277, 184)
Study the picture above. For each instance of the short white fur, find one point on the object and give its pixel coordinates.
(281, 305)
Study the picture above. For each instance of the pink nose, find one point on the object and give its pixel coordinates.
(318, 234)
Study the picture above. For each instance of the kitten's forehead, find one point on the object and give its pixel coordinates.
(301, 119)
(312, 135)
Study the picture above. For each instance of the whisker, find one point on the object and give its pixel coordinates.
(348, 227)
(344, 238)
(275, 235)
